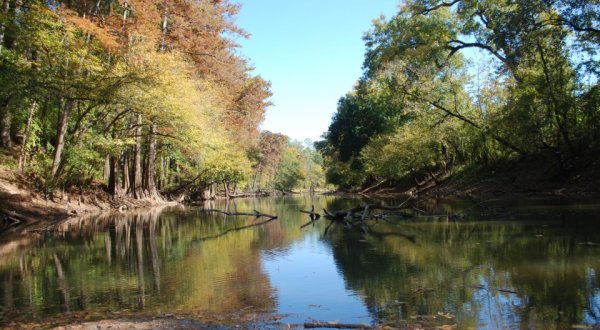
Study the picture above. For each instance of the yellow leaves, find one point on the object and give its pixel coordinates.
(186, 109)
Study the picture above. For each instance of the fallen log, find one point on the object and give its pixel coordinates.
(237, 229)
(365, 209)
(255, 214)
(357, 216)
(312, 213)
(313, 216)
(311, 222)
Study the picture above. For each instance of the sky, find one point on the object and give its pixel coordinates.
(312, 53)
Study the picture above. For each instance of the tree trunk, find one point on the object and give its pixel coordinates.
(5, 124)
(23, 152)
(150, 179)
(125, 13)
(126, 174)
(106, 172)
(4, 7)
(226, 186)
(169, 170)
(163, 40)
(113, 175)
(136, 184)
(161, 178)
(63, 122)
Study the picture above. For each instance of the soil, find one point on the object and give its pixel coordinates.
(536, 177)
(21, 206)
(175, 324)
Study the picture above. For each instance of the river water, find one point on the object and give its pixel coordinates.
(528, 264)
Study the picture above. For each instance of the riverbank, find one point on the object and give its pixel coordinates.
(21, 204)
(504, 179)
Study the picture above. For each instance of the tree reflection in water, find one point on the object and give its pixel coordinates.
(139, 261)
(531, 273)
(538, 271)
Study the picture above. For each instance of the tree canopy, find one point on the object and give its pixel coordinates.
(143, 95)
(448, 84)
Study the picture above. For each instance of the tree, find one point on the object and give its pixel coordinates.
(437, 112)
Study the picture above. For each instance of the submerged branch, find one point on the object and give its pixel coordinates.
(237, 229)
(255, 214)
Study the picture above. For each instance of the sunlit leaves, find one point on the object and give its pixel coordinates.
(474, 81)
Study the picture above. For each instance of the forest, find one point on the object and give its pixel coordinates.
(454, 87)
(143, 98)
(147, 99)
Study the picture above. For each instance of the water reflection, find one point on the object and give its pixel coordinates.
(142, 261)
(534, 273)
(537, 271)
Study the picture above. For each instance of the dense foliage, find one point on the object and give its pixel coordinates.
(463, 82)
(142, 94)
(286, 165)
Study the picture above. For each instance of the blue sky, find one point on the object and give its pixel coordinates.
(311, 51)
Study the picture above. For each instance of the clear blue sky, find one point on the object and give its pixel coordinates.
(311, 51)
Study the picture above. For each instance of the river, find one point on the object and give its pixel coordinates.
(528, 264)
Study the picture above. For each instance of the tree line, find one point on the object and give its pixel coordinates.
(142, 95)
(450, 85)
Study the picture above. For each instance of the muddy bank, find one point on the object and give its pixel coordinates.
(502, 180)
(242, 319)
(22, 206)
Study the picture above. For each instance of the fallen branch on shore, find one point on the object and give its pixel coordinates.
(255, 214)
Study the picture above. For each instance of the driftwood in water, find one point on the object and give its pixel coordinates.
(237, 229)
(311, 212)
(364, 210)
(356, 217)
(313, 217)
(255, 214)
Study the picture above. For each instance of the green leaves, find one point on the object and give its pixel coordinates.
(421, 105)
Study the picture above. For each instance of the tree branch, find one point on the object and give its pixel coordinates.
(439, 5)
(462, 45)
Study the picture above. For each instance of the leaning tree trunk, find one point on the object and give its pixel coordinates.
(23, 153)
(150, 179)
(63, 122)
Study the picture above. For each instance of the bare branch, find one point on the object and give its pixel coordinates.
(439, 5)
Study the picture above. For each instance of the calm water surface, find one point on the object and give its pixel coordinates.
(537, 268)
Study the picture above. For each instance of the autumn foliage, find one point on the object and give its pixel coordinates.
(143, 95)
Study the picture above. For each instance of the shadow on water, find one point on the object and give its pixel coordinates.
(539, 270)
